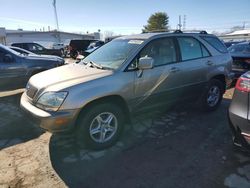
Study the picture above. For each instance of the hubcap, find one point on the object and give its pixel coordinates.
(213, 96)
(103, 127)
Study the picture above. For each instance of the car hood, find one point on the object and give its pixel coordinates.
(45, 57)
(66, 76)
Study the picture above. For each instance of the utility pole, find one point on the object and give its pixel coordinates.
(184, 22)
(56, 18)
(179, 25)
(55, 11)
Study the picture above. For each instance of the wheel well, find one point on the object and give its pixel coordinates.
(37, 71)
(221, 78)
(115, 99)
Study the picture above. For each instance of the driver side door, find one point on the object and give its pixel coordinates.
(162, 84)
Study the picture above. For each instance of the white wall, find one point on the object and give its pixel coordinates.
(2, 35)
(12, 37)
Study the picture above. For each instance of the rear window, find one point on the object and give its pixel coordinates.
(216, 43)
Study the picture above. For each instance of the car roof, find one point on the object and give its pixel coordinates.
(145, 36)
(24, 43)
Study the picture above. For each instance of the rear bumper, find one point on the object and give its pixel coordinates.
(60, 121)
(240, 128)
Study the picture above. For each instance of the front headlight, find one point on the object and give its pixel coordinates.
(51, 101)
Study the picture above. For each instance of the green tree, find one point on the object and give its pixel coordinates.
(157, 22)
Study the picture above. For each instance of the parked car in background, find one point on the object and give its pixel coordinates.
(127, 76)
(16, 68)
(77, 47)
(231, 43)
(92, 47)
(241, 58)
(239, 112)
(26, 52)
(38, 49)
(60, 46)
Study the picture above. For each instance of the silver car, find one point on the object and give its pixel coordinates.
(126, 76)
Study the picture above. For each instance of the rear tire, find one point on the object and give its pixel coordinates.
(99, 126)
(212, 95)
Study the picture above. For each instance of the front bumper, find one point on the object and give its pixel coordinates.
(60, 121)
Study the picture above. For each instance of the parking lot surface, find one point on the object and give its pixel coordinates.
(181, 147)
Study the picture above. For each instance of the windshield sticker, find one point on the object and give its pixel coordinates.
(135, 41)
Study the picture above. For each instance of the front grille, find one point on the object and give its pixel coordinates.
(31, 91)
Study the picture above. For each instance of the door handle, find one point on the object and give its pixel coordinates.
(174, 69)
(210, 63)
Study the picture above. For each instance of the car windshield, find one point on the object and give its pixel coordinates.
(113, 54)
(240, 48)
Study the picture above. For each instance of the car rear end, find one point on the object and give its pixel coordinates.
(240, 65)
(241, 58)
(239, 112)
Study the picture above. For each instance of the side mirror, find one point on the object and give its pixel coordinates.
(8, 58)
(146, 63)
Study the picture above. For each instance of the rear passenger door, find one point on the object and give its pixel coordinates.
(195, 64)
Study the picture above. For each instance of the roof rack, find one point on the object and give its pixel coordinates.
(178, 31)
(195, 31)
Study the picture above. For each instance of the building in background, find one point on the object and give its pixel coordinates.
(240, 35)
(8, 37)
(2, 36)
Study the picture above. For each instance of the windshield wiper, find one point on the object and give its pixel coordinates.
(95, 65)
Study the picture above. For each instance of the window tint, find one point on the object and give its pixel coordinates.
(161, 50)
(216, 43)
(31, 47)
(190, 48)
(17, 45)
(205, 53)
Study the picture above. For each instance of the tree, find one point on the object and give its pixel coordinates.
(157, 22)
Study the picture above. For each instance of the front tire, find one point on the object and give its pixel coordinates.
(212, 95)
(100, 126)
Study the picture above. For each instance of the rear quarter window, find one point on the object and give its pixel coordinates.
(216, 43)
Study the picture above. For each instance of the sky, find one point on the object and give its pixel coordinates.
(122, 17)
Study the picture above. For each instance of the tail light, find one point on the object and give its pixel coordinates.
(243, 84)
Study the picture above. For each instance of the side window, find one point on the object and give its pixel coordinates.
(30, 47)
(17, 45)
(205, 53)
(190, 48)
(161, 50)
(216, 43)
(38, 47)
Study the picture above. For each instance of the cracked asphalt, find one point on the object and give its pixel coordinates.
(181, 147)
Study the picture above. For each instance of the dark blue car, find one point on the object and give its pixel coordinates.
(17, 68)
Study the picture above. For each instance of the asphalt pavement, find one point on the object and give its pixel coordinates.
(181, 147)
